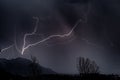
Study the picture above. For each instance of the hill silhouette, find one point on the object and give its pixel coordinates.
(22, 67)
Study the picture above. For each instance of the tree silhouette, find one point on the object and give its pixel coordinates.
(86, 66)
(34, 66)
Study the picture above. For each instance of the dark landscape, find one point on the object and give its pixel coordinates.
(23, 69)
(59, 39)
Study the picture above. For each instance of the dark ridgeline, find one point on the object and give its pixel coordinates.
(23, 69)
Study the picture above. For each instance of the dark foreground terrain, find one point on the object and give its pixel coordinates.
(7, 76)
(23, 69)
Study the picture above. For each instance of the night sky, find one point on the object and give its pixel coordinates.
(96, 37)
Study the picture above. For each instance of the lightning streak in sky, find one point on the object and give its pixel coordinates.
(24, 47)
(14, 44)
(4, 49)
(49, 37)
(29, 34)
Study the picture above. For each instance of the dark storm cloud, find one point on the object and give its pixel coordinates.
(68, 9)
(17, 14)
(102, 28)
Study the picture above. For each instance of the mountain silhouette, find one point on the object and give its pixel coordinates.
(22, 67)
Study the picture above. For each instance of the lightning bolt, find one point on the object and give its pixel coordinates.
(24, 47)
(29, 34)
(49, 37)
(14, 44)
(4, 49)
